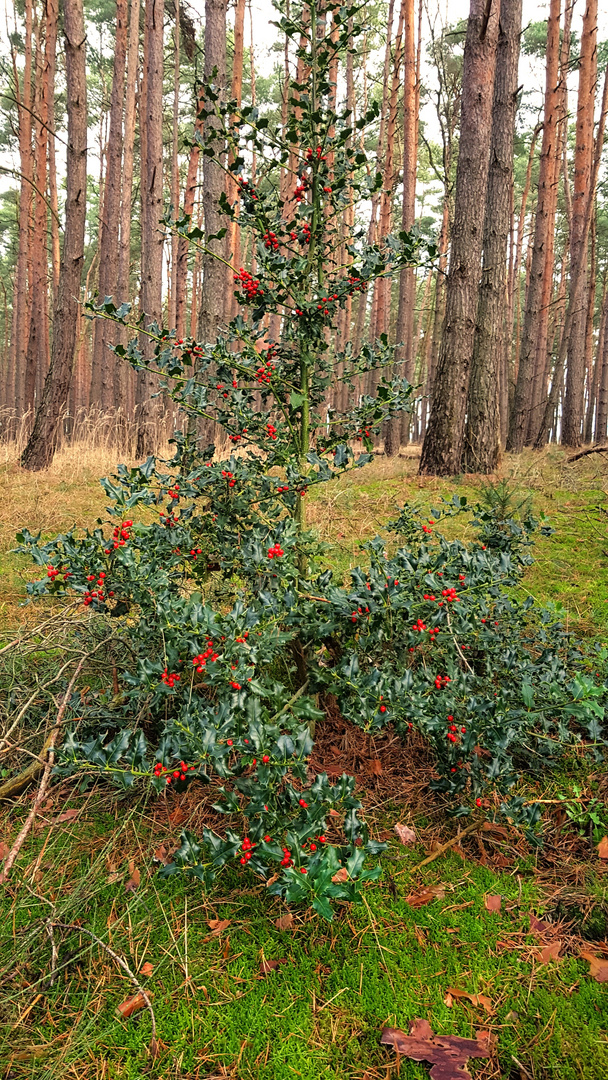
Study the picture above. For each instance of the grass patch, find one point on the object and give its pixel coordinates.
(319, 1014)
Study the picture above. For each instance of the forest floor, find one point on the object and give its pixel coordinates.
(463, 960)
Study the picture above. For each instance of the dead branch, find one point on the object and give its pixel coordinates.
(589, 450)
(50, 746)
(476, 825)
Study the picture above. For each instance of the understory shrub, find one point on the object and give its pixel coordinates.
(228, 625)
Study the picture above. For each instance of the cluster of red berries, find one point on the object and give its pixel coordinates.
(195, 551)
(305, 234)
(280, 490)
(327, 190)
(361, 432)
(229, 477)
(247, 850)
(235, 685)
(300, 191)
(276, 551)
(419, 626)
(263, 372)
(120, 535)
(326, 300)
(426, 529)
(270, 240)
(247, 188)
(200, 660)
(450, 595)
(243, 639)
(359, 611)
(97, 592)
(382, 708)
(357, 285)
(52, 572)
(318, 153)
(170, 520)
(272, 431)
(220, 386)
(248, 283)
(287, 859)
(169, 678)
(175, 774)
(173, 492)
(441, 681)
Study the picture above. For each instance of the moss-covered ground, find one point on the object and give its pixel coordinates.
(89, 861)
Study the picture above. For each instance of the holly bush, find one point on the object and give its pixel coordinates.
(228, 627)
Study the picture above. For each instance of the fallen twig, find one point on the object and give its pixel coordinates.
(444, 847)
(125, 967)
(50, 746)
(583, 453)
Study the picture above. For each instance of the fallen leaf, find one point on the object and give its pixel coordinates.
(285, 922)
(272, 879)
(499, 860)
(146, 969)
(424, 896)
(340, 875)
(135, 878)
(217, 925)
(492, 902)
(334, 813)
(496, 830)
(177, 816)
(131, 1005)
(4, 850)
(161, 855)
(374, 766)
(475, 999)
(266, 966)
(549, 952)
(68, 815)
(405, 834)
(598, 968)
(602, 848)
(448, 1054)
(537, 926)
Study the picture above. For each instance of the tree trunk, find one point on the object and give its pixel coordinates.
(124, 376)
(214, 278)
(442, 448)
(21, 287)
(233, 238)
(482, 435)
(583, 156)
(151, 125)
(172, 305)
(183, 248)
(38, 453)
(528, 351)
(601, 423)
(104, 333)
(590, 368)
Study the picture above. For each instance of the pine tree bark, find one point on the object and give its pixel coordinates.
(601, 423)
(214, 277)
(583, 156)
(124, 376)
(171, 299)
(39, 451)
(528, 349)
(151, 123)
(443, 443)
(482, 434)
(183, 247)
(104, 334)
(21, 288)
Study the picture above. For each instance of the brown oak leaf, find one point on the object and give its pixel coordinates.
(217, 925)
(146, 969)
(537, 926)
(492, 902)
(284, 922)
(475, 999)
(598, 968)
(134, 880)
(425, 895)
(448, 1054)
(405, 834)
(266, 966)
(602, 848)
(549, 952)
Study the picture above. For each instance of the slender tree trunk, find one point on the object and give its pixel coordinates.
(442, 448)
(38, 453)
(22, 287)
(52, 24)
(543, 240)
(151, 121)
(601, 423)
(37, 358)
(104, 334)
(233, 238)
(124, 376)
(171, 304)
(214, 278)
(183, 248)
(590, 373)
(482, 434)
(583, 157)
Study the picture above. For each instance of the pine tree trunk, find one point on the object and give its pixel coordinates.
(22, 287)
(171, 299)
(601, 424)
(233, 238)
(528, 350)
(38, 453)
(482, 434)
(104, 333)
(442, 448)
(590, 368)
(124, 376)
(583, 155)
(151, 123)
(183, 248)
(214, 278)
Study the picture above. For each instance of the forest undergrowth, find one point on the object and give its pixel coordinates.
(492, 934)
